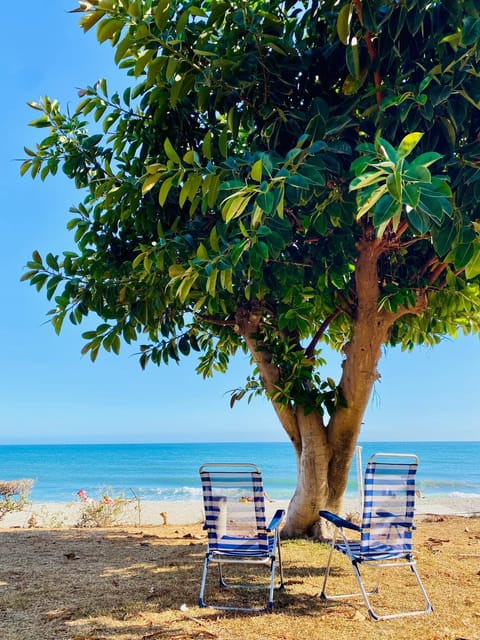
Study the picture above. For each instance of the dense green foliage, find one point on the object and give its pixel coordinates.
(257, 143)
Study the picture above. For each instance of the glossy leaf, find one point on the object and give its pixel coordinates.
(408, 144)
(343, 22)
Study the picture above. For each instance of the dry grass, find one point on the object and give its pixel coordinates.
(130, 584)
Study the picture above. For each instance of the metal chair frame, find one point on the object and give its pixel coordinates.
(385, 536)
(260, 546)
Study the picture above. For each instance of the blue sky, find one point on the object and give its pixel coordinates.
(50, 393)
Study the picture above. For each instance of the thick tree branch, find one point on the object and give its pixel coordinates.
(436, 273)
(372, 51)
(323, 327)
(248, 321)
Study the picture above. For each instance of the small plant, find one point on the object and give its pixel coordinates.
(101, 512)
(14, 495)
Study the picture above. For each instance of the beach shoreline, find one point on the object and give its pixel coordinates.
(147, 512)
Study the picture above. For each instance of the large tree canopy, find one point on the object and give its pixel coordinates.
(279, 174)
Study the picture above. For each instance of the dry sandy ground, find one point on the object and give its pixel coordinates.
(141, 583)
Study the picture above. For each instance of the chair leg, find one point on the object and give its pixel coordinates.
(363, 591)
(342, 596)
(280, 564)
(323, 593)
(221, 579)
(272, 586)
(201, 601)
(428, 604)
(375, 616)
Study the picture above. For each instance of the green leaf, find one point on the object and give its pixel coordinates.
(385, 209)
(40, 122)
(256, 171)
(366, 179)
(51, 261)
(108, 28)
(161, 13)
(207, 145)
(235, 207)
(266, 201)
(149, 182)
(262, 249)
(39, 280)
(213, 239)
(417, 173)
(226, 279)
(418, 220)
(387, 150)
(211, 286)
(426, 159)
(89, 20)
(463, 254)
(394, 185)
(165, 190)
(184, 345)
(343, 22)
(412, 195)
(443, 239)
(472, 268)
(185, 287)
(433, 207)
(170, 151)
(202, 252)
(223, 142)
(368, 202)
(408, 144)
(470, 31)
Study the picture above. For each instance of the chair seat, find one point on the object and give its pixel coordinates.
(378, 552)
(243, 547)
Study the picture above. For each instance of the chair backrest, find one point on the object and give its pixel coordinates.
(234, 504)
(389, 503)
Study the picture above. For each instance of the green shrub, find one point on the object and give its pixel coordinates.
(102, 512)
(14, 495)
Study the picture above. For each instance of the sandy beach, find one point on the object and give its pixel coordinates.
(139, 513)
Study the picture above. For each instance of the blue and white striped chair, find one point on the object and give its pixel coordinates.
(386, 529)
(234, 504)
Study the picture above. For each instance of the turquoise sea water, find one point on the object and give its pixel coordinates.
(170, 471)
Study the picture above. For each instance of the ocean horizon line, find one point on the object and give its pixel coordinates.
(213, 442)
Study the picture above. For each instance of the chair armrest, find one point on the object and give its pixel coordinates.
(338, 521)
(276, 520)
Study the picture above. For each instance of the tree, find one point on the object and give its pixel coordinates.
(279, 175)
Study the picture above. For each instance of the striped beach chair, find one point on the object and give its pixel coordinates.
(234, 504)
(386, 529)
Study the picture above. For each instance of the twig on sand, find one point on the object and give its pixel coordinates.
(203, 625)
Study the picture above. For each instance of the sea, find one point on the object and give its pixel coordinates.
(170, 471)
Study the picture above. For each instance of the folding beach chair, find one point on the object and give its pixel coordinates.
(386, 529)
(234, 505)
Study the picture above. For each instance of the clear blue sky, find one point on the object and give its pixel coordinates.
(50, 393)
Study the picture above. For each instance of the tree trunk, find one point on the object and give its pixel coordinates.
(324, 452)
